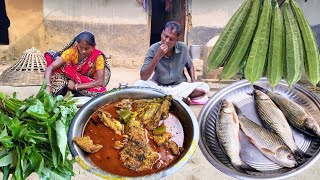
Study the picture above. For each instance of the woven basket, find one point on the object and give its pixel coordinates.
(28, 71)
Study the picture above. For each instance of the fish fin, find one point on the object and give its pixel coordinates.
(244, 168)
(301, 155)
(267, 151)
(251, 140)
(260, 88)
(238, 110)
(247, 167)
(235, 118)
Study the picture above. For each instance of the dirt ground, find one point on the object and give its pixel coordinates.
(196, 168)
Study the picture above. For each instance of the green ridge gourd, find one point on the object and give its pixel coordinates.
(258, 54)
(228, 38)
(294, 48)
(236, 59)
(312, 63)
(276, 48)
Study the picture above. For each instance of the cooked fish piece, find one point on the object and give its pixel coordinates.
(134, 129)
(166, 106)
(118, 145)
(150, 112)
(227, 128)
(86, 144)
(163, 111)
(295, 114)
(273, 118)
(124, 104)
(268, 142)
(162, 138)
(138, 155)
(108, 121)
(173, 147)
(141, 104)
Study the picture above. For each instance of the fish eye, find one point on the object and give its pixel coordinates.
(290, 156)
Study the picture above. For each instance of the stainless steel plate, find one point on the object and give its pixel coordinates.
(239, 93)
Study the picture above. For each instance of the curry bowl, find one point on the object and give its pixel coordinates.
(178, 108)
(240, 93)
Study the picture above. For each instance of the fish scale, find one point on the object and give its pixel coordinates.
(274, 119)
(227, 128)
(295, 114)
(268, 142)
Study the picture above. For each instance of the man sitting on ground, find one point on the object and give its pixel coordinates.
(167, 59)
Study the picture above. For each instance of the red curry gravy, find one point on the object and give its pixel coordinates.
(108, 158)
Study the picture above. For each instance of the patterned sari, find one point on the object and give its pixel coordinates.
(82, 72)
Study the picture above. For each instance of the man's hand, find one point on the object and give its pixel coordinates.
(162, 50)
(147, 72)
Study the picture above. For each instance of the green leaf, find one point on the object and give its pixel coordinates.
(52, 135)
(49, 101)
(6, 160)
(37, 111)
(18, 174)
(52, 175)
(36, 160)
(14, 95)
(5, 171)
(6, 140)
(42, 90)
(59, 98)
(3, 152)
(34, 137)
(22, 109)
(24, 158)
(62, 138)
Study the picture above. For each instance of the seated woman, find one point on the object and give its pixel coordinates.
(79, 67)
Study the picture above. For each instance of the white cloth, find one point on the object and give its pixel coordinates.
(182, 90)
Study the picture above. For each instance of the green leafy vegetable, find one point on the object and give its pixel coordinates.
(33, 136)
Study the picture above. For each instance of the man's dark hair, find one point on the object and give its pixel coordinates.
(173, 26)
(87, 36)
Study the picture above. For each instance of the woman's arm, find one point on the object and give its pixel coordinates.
(49, 70)
(98, 82)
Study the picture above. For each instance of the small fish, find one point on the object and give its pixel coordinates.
(295, 114)
(273, 118)
(227, 128)
(269, 143)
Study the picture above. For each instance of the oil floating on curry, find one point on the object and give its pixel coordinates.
(133, 137)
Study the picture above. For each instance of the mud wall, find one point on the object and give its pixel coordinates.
(27, 27)
(120, 27)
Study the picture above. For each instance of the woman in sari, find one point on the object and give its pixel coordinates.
(79, 67)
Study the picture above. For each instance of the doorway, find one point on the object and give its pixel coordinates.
(163, 11)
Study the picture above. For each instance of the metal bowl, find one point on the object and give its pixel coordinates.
(239, 93)
(178, 108)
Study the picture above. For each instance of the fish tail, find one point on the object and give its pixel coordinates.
(238, 110)
(264, 90)
(301, 156)
(244, 167)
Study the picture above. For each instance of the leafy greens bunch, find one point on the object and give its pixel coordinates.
(33, 136)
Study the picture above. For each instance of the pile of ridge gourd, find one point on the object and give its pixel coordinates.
(262, 40)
